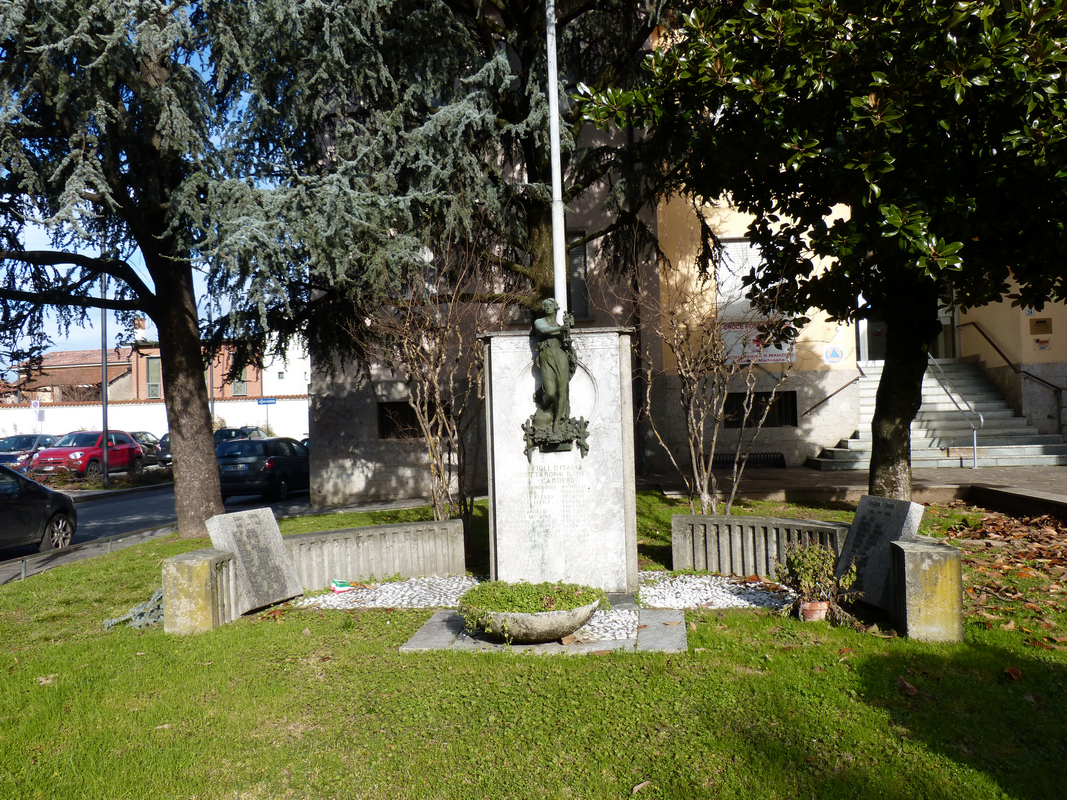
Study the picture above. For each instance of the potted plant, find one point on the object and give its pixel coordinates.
(808, 570)
(528, 613)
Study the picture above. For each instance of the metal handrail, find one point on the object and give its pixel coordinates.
(951, 391)
(837, 391)
(1020, 371)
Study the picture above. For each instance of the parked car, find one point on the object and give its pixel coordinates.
(34, 514)
(16, 451)
(271, 467)
(163, 455)
(82, 452)
(225, 434)
(150, 444)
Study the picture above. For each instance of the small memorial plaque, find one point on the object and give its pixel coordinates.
(265, 572)
(1040, 326)
(878, 521)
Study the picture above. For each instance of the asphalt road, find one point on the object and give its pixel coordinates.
(99, 518)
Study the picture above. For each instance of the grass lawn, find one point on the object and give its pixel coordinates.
(311, 704)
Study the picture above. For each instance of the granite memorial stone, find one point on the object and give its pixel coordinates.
(878, 522)
(265, 572)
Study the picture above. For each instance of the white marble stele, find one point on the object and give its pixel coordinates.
(559, 516)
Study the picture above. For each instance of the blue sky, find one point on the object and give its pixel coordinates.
(87, 336)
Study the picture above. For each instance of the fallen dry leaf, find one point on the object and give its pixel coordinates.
(165, 727)
(640, 786)
(1014, 673)
(906, 687)
(44, 680)
(672, 623)
(1008, 626)
(570, 638)
(692, 626)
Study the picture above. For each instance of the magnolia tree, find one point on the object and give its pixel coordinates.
(940, 127)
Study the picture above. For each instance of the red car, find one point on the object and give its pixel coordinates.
(82, 452)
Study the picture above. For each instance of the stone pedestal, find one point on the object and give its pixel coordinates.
(928, 577)
(558, 516)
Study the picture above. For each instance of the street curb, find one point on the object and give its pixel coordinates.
(89, 495)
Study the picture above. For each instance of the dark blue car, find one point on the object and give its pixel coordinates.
(34, 514)
(271, 467)
(16, 451)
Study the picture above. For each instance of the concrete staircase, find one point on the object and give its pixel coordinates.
(941, 436)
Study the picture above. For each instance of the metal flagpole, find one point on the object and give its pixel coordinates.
(559, 237)
(103, 372)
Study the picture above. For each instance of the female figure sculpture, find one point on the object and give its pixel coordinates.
(557, 362)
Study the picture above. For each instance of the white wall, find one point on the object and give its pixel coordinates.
(287, 376)
(288, 417)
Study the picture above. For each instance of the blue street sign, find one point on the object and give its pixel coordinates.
(266, 401)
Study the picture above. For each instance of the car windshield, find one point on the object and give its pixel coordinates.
(11, 443)
(242, 447)
(78, 440)
(225, 433)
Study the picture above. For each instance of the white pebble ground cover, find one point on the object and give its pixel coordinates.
(657, 590)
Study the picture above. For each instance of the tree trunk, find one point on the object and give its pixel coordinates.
(539, 246)
(197, 496)
(911, 321)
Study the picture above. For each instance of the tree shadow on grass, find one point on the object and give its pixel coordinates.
(998, 710)
(969, 721)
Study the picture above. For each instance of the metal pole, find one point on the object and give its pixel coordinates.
(559, 237)
(103, 371)
(211, 375)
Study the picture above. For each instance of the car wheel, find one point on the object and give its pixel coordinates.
(93, 470)
(281, 489)
(59, 532)
(138, 466)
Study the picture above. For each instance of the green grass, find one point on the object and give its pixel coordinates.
(314, 704)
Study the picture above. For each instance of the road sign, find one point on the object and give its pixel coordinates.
(35, 404)
(266, 401)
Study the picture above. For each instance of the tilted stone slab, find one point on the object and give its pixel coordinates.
(265, 572)
(879, 521)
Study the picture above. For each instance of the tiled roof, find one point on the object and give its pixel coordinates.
(84, 358)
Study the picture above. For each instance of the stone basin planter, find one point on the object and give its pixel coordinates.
(531, 627)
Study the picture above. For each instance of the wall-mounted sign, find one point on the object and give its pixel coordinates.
(833, 354)
(1028, 312)
(745, 344)
(1042, 344)
(1040, 326)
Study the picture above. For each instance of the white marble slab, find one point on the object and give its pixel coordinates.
(559, 516)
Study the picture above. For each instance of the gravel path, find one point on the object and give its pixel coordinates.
(657, 590)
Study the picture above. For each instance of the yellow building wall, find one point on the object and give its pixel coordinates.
(1023, 335)
(823, 345)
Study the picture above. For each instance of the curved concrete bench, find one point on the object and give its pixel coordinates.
(200, 588)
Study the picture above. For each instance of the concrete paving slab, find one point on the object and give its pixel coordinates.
(658, 631)
(437, 634)
(661, 631)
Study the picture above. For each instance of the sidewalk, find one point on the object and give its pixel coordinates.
(1043, 485)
